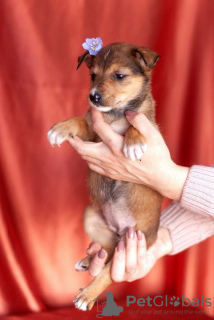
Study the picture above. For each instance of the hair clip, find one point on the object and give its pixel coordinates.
(93, 45)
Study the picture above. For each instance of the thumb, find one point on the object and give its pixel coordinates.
(105, 132)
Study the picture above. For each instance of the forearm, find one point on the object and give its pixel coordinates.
(171, 180)
(192, 220)
(186, 227)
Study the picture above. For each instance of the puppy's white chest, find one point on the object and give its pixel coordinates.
(120, 126)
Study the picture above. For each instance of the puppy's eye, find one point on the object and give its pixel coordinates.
(120, 76)
(93, 75)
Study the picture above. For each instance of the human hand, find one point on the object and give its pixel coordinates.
(131, 261)
(156, 169)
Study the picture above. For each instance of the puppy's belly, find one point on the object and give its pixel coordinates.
(118, 216)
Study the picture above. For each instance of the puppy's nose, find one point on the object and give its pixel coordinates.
(95, 97)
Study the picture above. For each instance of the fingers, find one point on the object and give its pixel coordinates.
(94, 167)
(76, 143)
(96, 115)
(125, 259)
(97, 155)
(141, 251)
(113, 140)
(105, 132)
(80, 146)
(118, 263)
(93, 248)
(130, 262)
(131, 251)
(99, 259)
(97, 263)
(86, 148)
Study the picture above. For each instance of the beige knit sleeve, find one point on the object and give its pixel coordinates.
(198, 192)
(191, 220)
(186, 227)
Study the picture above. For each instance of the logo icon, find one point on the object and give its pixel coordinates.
(110, 309)
(174, 301)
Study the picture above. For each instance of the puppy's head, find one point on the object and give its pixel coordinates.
(120, 75)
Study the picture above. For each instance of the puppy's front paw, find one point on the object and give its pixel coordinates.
(134, 152)
(59, 133)
(84, 301)
(134, 147)
(134, 144)
(83, 265)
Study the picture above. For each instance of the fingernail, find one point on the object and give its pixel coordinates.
(101, 254)
(130, 113)
(131, 233)
(139, 235)
(88, 251)
(120, 246)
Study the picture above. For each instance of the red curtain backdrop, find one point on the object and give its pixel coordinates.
(43, 189)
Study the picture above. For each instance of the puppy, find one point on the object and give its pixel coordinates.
(120, 81)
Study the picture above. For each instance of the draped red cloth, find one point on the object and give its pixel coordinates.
(43, 189)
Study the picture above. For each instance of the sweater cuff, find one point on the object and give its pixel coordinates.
(186, 227)
(198, 192)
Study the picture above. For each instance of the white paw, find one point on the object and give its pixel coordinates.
(134, 152)
(84, 300)
(55, 138)
(81, 305)
(81, 266)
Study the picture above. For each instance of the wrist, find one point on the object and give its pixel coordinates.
(172, 181)
(164, 242)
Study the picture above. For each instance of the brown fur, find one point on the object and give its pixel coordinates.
(142, 204)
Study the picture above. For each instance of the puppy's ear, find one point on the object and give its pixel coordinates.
(146, 56)
(87, 58)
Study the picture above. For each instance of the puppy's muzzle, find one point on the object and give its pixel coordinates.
(95, 97)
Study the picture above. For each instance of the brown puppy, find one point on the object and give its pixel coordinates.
(120, 81)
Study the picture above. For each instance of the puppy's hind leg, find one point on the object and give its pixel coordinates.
(86, 298)
(97, 230)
